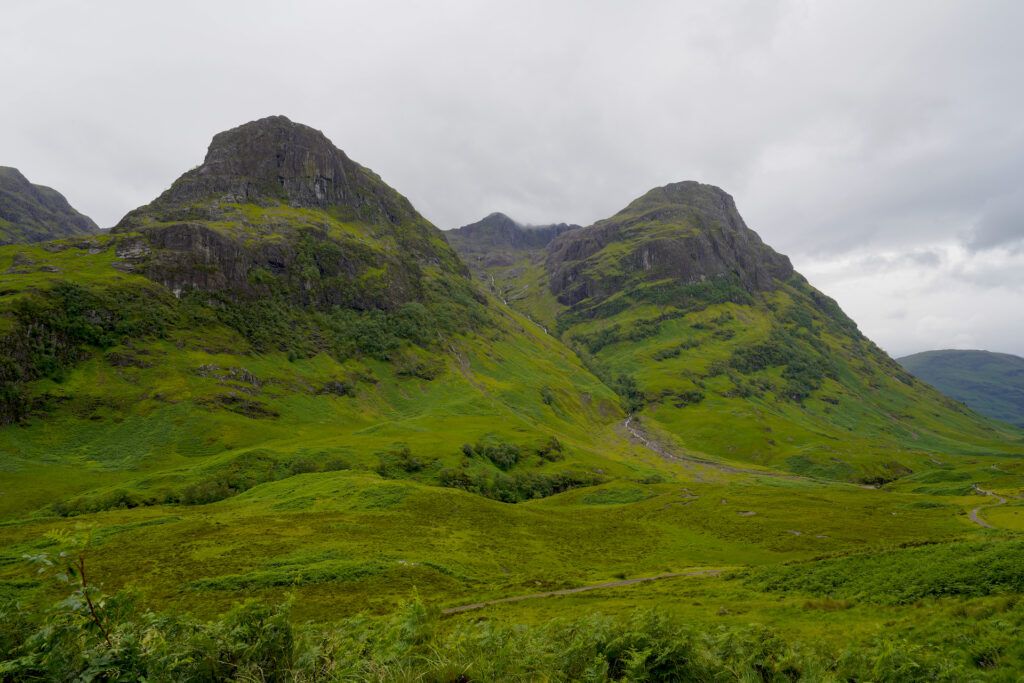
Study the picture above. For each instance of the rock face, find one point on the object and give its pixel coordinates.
(685, 232)
(272, 160)
(497, 240)
(275, 206)
(498, 231)
(34, 213)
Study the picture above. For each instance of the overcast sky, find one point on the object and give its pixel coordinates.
(879, 144)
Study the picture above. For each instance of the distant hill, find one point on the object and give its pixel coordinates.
(990, 383)
(35, 213)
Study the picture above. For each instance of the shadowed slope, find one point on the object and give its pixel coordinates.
(35, 213)
(991, 383)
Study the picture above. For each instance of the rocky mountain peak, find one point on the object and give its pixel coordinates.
(497, 231)
(278, 199)
(291, 160)
(498, 219)
(272, 161)
(685, 232)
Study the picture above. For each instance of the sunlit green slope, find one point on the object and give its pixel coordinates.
(709, 334)
(278, 379)
(208, 346)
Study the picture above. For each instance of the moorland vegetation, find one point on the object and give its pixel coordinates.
(274, 427)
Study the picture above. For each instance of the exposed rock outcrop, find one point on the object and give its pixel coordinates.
(498, 231)
(276, 207)
(35, 213)
(497, 240)
(685, 232)
(274, 160)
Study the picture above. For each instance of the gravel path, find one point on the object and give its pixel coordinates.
(975, 511)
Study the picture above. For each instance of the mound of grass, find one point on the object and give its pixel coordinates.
(901, 576)
(617, 495)
(301, 575)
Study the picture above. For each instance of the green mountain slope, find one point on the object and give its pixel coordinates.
(990, 383)
(35, 213)
(303, 307)
(277, 379)
(710, 337)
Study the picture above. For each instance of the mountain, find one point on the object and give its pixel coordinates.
(684, 234)
(500, 250)
(35, 213)
(990, 383)
(713, 340)
(496, 234)
(277, 381)
(276, 206)
(279, 308)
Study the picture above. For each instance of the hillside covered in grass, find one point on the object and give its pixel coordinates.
(710, 337)
(278, 382)
(990, 383)
(315, 322)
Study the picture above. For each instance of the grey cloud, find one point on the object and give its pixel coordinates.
(928, 259)
(1001, 224)
(838, 127)
(995, 276)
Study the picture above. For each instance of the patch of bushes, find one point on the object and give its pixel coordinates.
(243, 473)
(633, 398)
(505, 456)
(53, 330)
(261, 642)
(804, 370)
(688, 397)
(398, 463)
(665, 354)
(412, 365)
(550, 449)
(517, 486)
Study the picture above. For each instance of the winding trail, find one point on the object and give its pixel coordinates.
(567, 591)
(662, 452)
(974, 513)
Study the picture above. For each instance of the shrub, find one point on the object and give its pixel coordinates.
(398, 462)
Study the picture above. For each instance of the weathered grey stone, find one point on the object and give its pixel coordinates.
(686, 232)
(195, 236)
